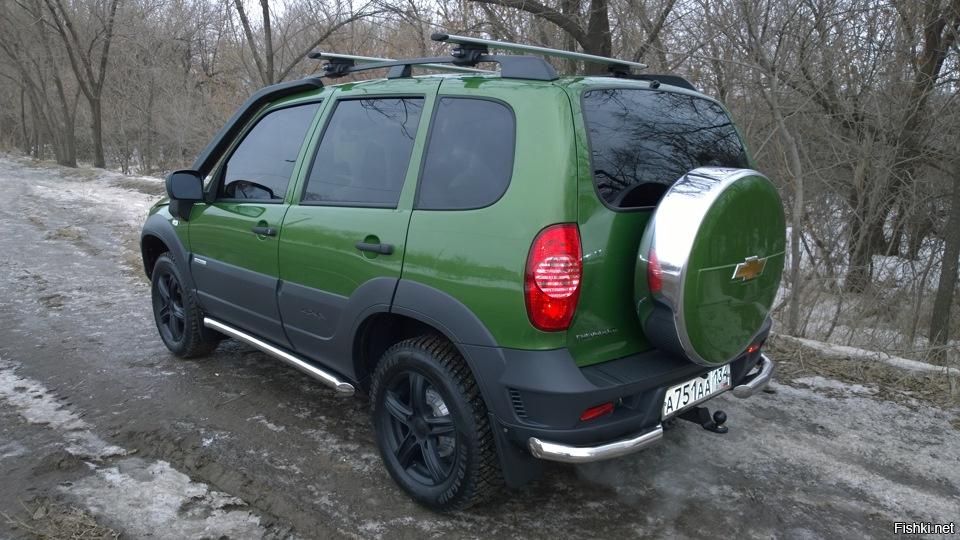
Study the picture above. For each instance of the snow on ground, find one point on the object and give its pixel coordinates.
(146, 498)
(91, 187)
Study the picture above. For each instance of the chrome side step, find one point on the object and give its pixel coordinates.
(343, 388)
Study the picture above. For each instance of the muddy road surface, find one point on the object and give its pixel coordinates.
(96, 416)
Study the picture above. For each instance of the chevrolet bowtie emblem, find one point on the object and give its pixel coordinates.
(749, 269)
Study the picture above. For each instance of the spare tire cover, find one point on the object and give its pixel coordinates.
(718, 236)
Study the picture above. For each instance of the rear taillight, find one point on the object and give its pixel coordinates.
(551, 285)
(654, 272)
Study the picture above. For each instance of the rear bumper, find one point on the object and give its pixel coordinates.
(754, 382)
(536, 399)
(750, 385)
(586, 454)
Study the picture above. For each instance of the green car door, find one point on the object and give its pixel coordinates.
(234, 239)
(342, 244)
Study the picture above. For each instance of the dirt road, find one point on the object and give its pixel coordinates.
(96, 415)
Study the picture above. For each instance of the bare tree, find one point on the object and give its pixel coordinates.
(949, 270)
(588, 25)
(299, 19)
(88, 50)
(27, 45)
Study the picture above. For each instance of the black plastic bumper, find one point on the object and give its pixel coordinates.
(536, 399)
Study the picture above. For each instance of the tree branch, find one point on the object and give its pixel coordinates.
(565, 23)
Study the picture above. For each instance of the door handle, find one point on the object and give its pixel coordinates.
(264, 231)
(384, 249)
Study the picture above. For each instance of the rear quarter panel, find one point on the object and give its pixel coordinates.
(478, 256)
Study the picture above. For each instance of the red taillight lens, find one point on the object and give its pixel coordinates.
(654, 272)
(597, 411)
(755, 347)
(552, 283)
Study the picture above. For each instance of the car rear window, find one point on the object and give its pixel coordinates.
(642, 141)
(469, 159)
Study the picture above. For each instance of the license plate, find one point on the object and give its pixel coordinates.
(694, 391)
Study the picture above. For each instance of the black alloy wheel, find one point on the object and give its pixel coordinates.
(177, 315)
(431, 425)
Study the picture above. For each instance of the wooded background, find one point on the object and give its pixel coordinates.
(850, 106)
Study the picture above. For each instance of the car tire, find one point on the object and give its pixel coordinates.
(175, 311)
(432, 427)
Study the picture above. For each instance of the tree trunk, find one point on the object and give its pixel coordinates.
(96, 126)
(940, 320)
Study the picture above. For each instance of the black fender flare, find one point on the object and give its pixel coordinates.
(443, 312)
(485, 358)
(459, 325)
(158, 226)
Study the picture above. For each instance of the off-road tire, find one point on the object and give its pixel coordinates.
(445, 462)
(175, 311)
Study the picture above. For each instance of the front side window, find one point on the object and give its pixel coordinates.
(643, 141)
(469, 160)
(365, 151)
(262, 164)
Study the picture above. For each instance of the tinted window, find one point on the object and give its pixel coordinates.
(365, 152)
(469, 158)
(261, 166)
(643, 141)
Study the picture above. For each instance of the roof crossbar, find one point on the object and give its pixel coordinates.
(470, 47)
(511, 67)
(337, 63)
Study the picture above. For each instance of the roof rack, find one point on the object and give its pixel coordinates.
(511, 66)
(338, 64)
(470, 47)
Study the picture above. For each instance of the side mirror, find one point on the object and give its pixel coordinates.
(184, 189)
(185, 185)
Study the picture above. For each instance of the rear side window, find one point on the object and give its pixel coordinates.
(643, 141)
(261, 166)
(469, 159)
(365, 151)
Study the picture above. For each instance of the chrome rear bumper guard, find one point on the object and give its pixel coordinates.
(754, 383)
(586, 454)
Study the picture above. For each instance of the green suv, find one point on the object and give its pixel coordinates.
(516, 267)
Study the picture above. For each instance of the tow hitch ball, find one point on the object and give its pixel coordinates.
(701, 415)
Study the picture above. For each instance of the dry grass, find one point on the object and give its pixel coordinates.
(795, 360)
(157, 189)
(51, 520)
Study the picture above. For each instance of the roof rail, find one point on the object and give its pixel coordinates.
(469, 47)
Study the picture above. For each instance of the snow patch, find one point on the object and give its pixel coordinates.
(831, 384)
(144, 498)
(154, 500)
(262, 420)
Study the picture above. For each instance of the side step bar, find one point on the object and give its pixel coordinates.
(342, 388)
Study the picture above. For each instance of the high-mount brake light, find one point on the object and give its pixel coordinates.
(551, 284)
(654, 272)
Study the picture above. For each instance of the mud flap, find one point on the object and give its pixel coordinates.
(518, 466)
